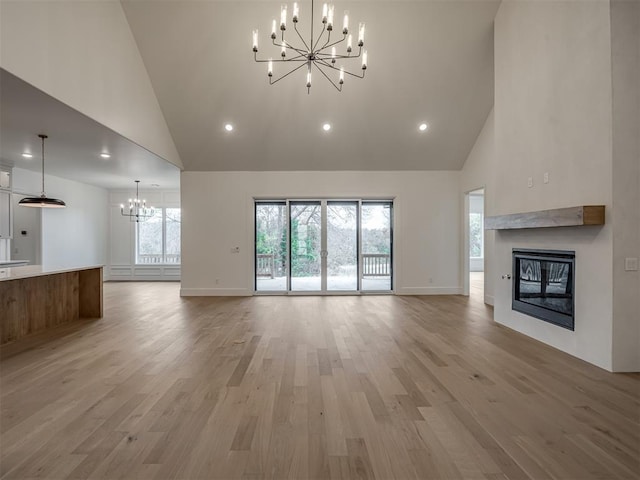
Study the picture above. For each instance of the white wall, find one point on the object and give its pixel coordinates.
(553, 114)
(479, 172)
(28, 246)
(77, 234)
(83, 54)
(217, 214)
(122, 237)
(625, 38)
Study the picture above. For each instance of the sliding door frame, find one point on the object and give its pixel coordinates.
(324, 202)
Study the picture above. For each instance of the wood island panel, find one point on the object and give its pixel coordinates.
(34, 304)
(90, 293)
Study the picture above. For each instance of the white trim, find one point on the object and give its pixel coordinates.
(215, 292)
(429, 291)
(488, 299)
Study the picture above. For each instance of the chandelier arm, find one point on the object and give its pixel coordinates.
(299, 58)
(328, 55)
(339, 88)
(332, 44)
(326, 44)
(324, 28)
(328, 65)
(291, 47)
(324, 55)
(271, 82)
(295, 27)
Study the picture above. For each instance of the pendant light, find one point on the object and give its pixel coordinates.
(42, 201)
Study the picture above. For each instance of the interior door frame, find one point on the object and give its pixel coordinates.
(466, 243)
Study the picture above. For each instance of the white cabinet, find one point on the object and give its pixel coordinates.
(5, 179)
(5, 215)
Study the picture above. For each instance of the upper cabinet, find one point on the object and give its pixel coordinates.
(5, 203)
(5, 214)
(5, 180)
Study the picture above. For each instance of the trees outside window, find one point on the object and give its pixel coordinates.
(158, 238)
(476, 235)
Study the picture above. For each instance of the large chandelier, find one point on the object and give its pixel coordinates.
(321, 52)
(138, 210)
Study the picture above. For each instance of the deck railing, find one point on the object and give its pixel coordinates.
(148, 259)
(265, 265)
(376, 265)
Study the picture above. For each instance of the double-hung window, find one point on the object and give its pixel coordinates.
(158, 238)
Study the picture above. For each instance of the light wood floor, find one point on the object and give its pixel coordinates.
(309, 387)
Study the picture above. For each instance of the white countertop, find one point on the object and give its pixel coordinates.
(29, 271)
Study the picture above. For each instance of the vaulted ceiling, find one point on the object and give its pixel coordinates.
(429, 61)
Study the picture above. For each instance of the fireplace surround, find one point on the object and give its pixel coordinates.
(544, 285)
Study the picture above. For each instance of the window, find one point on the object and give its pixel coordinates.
(476, 235)
(158, 238)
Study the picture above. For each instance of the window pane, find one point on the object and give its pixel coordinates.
(376, 246)
(306, 231)
(172, 247)
(271, 246)
(150, 239)
(475, 235)
(342, 245)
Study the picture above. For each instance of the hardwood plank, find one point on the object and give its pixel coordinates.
(339, 387)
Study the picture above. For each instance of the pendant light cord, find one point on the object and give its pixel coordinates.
(43, 194)
(42, 137)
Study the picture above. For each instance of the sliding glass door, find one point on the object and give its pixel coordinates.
(342, 246)
(377, 237)
(272, 247)
(305, 224)
(323, 246)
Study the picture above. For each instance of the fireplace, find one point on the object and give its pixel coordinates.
(543, 285)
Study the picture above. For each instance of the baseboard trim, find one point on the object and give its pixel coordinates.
(215, 292)
(488, 299)
(429, 291)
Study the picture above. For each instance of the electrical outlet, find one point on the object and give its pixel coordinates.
(530, 182)
(235, 249)
(546, 177)
(631, 264)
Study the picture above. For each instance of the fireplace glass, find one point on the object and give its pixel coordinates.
(543, 285)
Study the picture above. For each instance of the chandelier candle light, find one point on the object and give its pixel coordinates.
(138, 211)
(320, 53)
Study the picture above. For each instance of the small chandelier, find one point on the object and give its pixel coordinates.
(42, 201)
(138, 211)
(320, 53)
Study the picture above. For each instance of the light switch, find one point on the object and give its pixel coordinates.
(631, 264)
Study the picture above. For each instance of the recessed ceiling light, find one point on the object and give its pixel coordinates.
(228, 127)
(105, 155)
(423, 127)
(326, 127)
(27, 155)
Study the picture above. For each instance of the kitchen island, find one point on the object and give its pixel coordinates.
(35, 298)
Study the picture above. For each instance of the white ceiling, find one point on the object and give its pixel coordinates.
(75, 142)
(429, 61)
